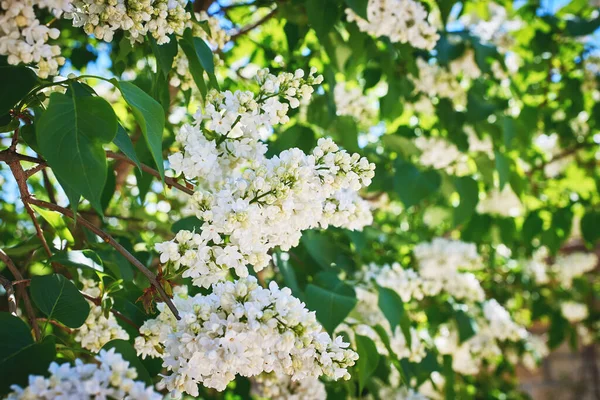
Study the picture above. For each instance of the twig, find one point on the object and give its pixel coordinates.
(117, 314)
(22, 291)
(32, 171)
(110, 240)
(10, 294)
(169, 181)
(21, 178)
(57, 324)
(254, 25)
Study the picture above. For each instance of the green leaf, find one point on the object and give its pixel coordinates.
(503, 168)
(331, 308)
(300, 136)
(59, 299)
(57, 222)
(79, 259)
(368, 358)
(581, 27)
(468, 190)
(15, 83)
(194, 64)
(164, 53)
(322, 15)
(14, 334)
(392, 306)
(32, 359)
(413, 185)
(190, 223)
(449, 375)
(590, 227)
(200, 59)
(149, 115)
(125, 349)
(467, 327)
(70, 135)
(531, 227)
(359, 7)
(123, 142)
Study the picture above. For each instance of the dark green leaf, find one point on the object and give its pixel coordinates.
(590, 227)
(164, 53)
(190, 223)
(503, 168)
(359, 7)
(59, 299)
(150, 116)
(368, 358)
(70, 135)
(123, 142)
(469, 197)
(467, 327)
(449, 375)
(32, 359)
(14, 335)
(15, 83)
(331, 308)
(413, 185)
(392, 307)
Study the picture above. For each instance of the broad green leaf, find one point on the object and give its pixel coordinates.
(123, 142)
(392, 306)
(331, 308)
(590, 227)
(359, 7)
(195, 66)
(70, 135)
(368, 358)
(300, 136)
(14, 334)
(57, 222)
(467, 327)
(413, 185)
(129, 354)
(190, 223)
(109, 188)
(289, 275)
(32, 359)
(503, 168)
(59, 299)
(322, 15)
(449, 375)
(164, 53)
(531, 227)
(149, 115)
(581, 27)
(15, 83)
(469, 197)
(79, 259)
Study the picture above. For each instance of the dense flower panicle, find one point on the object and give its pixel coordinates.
(280, 387)
(241, 329)
(439, 153)
(501, 323)
(445, 256)
(352, 102)
(573, 311)
(98, 329)
(25, 39)
(138, 18)
(437, 81)
(496, 28)
(403, 21)
(504, 203)
(111, 377)
(567, 267)
(250, 203)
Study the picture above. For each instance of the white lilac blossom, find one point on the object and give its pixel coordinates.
(111, 377)
(550, 147)
(536, 350)
(24, 39)
(504, 203)
(98, 329)
(501, 323)
(249, 203)
(437, 81)
(496, 27)
(353, 102)
(280, 387)
(138, 18)
(439, 153)
(570, 266)
(537, 268)
(573, 311)
(403, 21)
(241, 329)
(465, 65)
